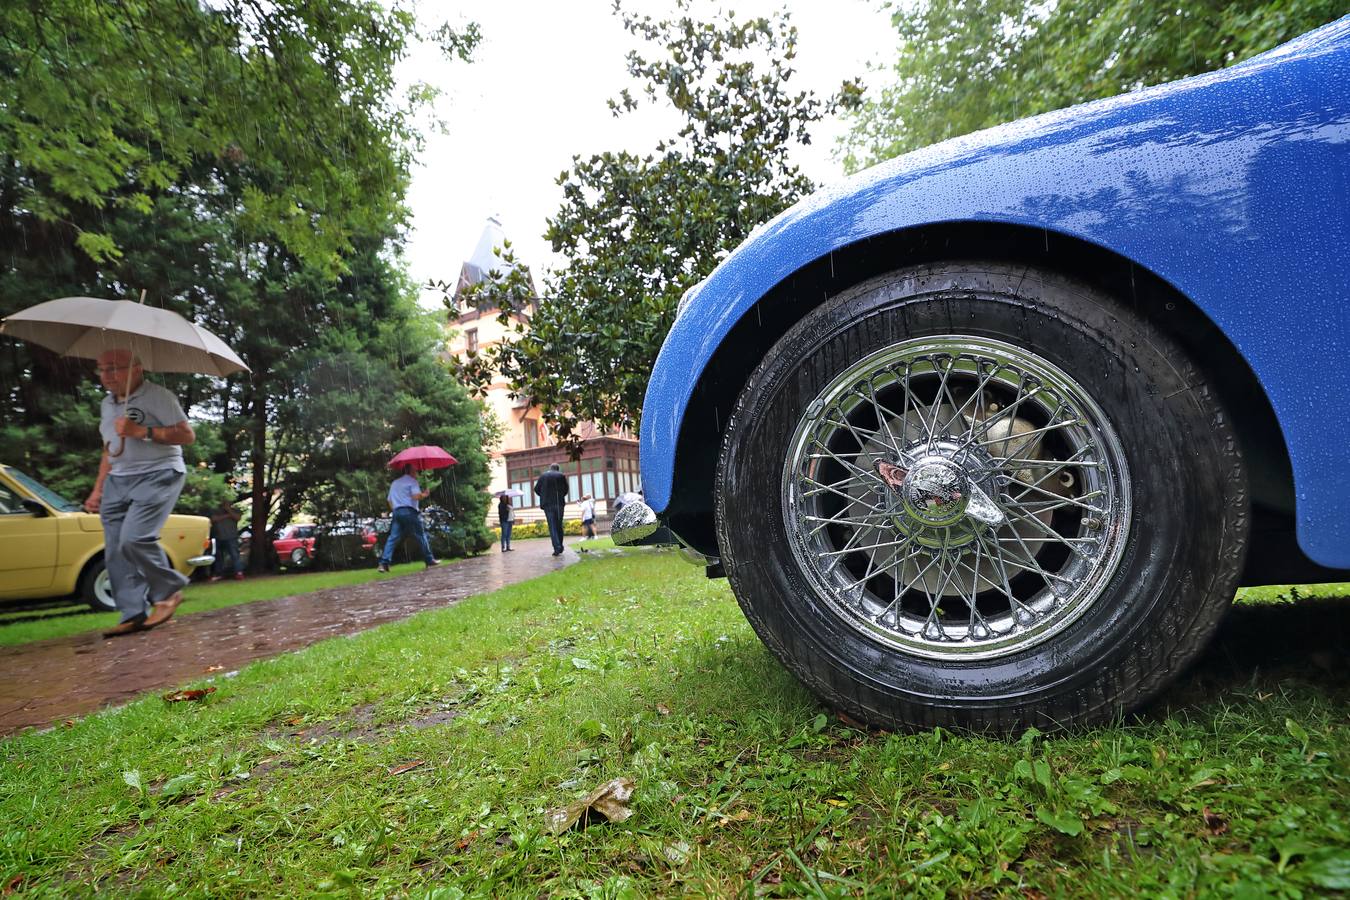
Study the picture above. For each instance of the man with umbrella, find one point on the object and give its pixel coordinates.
(404, 495)
(140, 476)
(144, 430)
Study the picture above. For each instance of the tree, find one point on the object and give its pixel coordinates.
(104, 105)
(963, 65)
(245, 164)
(638, 231)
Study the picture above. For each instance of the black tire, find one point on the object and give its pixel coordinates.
(1161, 599)
(299, 558)
(90, 587)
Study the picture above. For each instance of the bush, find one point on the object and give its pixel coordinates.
(524, 530)
(342, 551)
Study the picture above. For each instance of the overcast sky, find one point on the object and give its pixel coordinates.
(535, 96)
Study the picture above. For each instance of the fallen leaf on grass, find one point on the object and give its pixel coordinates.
(850, 721)
(662, 709)
(69, 723)
(773, 876)
(13, 885)
(214, 668)
(609, 802)
(183, 696)
(407, 767)
(1214, 823)
(468, 839)
(740, 815)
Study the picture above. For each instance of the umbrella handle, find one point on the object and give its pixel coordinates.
(121, 445)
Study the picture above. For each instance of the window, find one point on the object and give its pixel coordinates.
(531, 435)
(471, 340)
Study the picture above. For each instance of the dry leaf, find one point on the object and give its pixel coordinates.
(182, 696)
(663, 709)
(740, 815)
(468, 839)
(13, 885)
(850, 721)
(214, 668)
(609, 801)
(773, 876)
(407, 767)
(69, 723)
(295, 720)
(1215, 823)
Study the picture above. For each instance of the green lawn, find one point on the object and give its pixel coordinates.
(420, 759)
(25, 626)
(21, 627)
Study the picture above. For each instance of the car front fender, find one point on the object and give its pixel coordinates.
(1230, 187)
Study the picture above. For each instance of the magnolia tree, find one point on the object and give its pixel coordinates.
(638, 230)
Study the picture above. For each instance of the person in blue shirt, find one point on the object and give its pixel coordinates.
(404, 495)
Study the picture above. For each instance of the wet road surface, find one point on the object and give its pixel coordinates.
(48, 681)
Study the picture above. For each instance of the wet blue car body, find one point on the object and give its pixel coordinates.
(1232, 189)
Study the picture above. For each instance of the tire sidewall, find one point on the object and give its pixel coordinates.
(1142, 625)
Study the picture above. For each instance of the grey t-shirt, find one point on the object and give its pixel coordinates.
(150, 404)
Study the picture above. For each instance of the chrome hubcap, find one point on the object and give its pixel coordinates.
(956, 496)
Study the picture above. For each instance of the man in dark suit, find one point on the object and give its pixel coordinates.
(550, 492)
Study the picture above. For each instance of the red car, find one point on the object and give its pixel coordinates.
(294, 546)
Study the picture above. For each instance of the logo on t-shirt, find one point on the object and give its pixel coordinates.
(136, 414)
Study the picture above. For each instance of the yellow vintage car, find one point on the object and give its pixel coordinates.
(51, 547)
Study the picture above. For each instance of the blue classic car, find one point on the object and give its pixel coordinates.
(988, 435)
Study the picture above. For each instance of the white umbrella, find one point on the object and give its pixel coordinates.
(88, 327)
(509, 492)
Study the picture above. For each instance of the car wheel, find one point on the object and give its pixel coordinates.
(983, 496)
(96, 587)
(299, 557)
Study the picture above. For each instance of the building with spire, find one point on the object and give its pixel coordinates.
(608, 464)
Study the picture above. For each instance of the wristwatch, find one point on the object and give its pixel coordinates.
(149, 433)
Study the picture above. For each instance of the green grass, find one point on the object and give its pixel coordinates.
(282, 782)
(26, 626)
(22, 627)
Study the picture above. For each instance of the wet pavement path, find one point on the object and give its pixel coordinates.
(49, 681)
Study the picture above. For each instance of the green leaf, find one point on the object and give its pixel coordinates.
(133, 779)
(1065, 823)
(1296, 732)
(179, 784)
(99, 247)
(1327, 867)
(592, 729)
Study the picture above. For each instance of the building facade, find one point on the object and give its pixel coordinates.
(607, 465)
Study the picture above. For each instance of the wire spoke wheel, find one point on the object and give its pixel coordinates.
(956, 497)
(981, 495)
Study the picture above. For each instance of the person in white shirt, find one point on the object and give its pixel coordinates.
(403, 497)
(140, 476)
(588, 517)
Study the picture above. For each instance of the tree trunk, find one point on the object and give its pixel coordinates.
(259, 558)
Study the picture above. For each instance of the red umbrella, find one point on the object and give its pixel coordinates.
(422, 458)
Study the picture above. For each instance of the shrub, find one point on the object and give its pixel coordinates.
(523, 530)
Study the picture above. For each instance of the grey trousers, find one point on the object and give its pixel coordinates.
(134, 509)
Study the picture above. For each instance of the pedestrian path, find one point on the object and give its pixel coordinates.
(49, 681)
